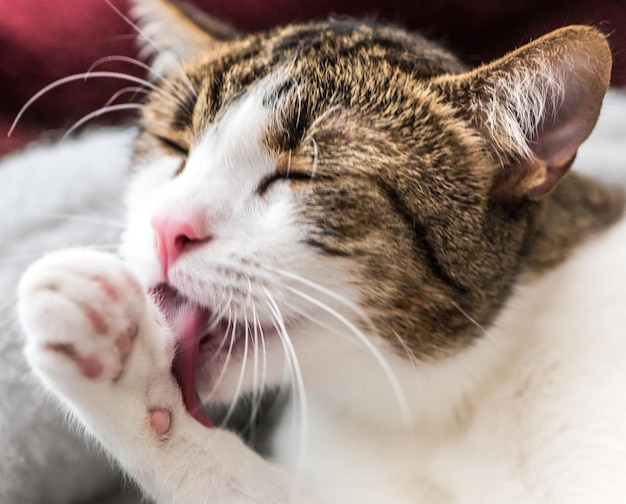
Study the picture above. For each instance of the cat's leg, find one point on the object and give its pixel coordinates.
(99, 344)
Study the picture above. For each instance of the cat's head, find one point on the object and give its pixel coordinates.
(339, 189)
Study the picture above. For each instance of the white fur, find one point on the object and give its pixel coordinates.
(533, 413)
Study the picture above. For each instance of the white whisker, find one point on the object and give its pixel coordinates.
(367, 343)
(323, 116)
(261, 335)
(258, 387)
(299, 381)
(215, 321)
(180, 99)
(150, 41)
(319, 323)
(257, 391)
(406, 348)
(230, 326)
(72, 78)
(120, 58)
(230, 335)
(84, 218)
(36, 254)
(99, 112)
(469, 317)
(126, 90)
(299, 95)
(113, 247)
(113, 205)
(362, 314)
(315, 154)
(221, 310)
(242, 374)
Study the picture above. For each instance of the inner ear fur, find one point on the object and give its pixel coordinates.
(536, 105)
(173, 31)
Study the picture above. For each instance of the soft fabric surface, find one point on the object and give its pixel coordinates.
(71, 194)
(44, 40)
(56, 196)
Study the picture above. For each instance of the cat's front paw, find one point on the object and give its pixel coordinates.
(94, 338)
(81, 310)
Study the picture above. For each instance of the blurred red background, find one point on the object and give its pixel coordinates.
(44, 40)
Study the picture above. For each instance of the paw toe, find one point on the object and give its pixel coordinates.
(90, 366)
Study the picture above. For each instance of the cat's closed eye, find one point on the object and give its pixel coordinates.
(277, 176)
(173, 145)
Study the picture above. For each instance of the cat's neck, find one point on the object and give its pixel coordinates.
(575, 211)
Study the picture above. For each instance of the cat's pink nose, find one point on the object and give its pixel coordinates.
(175, 237)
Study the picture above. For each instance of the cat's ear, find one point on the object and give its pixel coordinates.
(172, 31)
(536, 106)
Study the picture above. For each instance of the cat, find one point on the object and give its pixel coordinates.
(344, 211)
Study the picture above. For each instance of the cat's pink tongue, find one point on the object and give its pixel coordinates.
(185, 364)
(188, 322)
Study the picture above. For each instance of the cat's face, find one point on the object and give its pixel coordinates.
(342, 182)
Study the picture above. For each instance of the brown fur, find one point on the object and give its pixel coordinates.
(398, 177)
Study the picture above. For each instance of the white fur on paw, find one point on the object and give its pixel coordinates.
(81, 310)
(99, 344)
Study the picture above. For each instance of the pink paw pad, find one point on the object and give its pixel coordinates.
(160, 420)
(107, 288)
(89, 366)
(124, 341)
(97, 320)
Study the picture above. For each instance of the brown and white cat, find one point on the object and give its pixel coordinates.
(343, 210)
